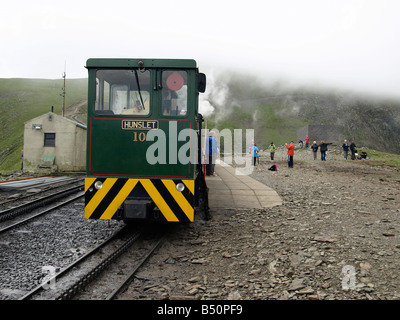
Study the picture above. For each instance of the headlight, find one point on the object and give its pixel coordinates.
(180, 187)
(98, 185)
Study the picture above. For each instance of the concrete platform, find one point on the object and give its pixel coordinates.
(229, 190)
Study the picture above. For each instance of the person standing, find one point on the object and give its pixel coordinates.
(22, 160)
(211, 152)
(290, 153)
(353, 150)
(255, 153)
(345, 147)
(323, 147)
(307, 142)
(314, 148)
(272, 149)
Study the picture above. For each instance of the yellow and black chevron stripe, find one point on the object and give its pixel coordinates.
(175, 206)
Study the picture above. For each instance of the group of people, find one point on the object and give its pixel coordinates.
(211, 152)
(307, 142)
(353, 150)
(323, 148)
(254, 151)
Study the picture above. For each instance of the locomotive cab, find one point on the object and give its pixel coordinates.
(143, 143)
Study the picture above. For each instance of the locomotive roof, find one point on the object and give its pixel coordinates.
(141, 63)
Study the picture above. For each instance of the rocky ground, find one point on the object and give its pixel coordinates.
(336, 236)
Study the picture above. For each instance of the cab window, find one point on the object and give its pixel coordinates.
(174, 93)
(123, 92)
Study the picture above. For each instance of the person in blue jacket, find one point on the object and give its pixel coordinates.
(211, 154)
(255, 153)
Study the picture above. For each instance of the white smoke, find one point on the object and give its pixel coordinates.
(205, 107)
(214, 100)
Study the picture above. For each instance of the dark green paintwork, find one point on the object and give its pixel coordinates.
(147, 63)
(112, 151)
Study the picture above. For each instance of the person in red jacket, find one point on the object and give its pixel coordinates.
(290, 153)
(307, 142)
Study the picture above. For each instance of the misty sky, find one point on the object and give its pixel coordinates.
(351, 44)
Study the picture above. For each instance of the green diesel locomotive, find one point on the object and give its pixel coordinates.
(143, 140)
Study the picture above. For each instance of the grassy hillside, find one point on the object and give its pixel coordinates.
(244, 102)
(383, 158)
(268, 126)
(25, 99)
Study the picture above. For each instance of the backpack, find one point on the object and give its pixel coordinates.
(274, 167)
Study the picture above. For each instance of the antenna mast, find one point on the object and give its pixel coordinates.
(63, 90)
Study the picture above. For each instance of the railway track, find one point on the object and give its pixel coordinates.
(97, 271)
(36, 252)
(29, 207)
(57, 238)
(16, 198)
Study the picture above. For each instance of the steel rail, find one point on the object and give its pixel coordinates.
(133, 272)
(15, 211)
(69, 182)
(73, 264)
(41, 213)
(86, 279)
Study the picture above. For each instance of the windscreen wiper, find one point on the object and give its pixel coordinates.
(138, 85)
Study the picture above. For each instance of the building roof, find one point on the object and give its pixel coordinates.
(80, 125)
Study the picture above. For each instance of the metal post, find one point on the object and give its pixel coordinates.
(63, 95)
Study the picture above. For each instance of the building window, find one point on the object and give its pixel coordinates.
(49, 139)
